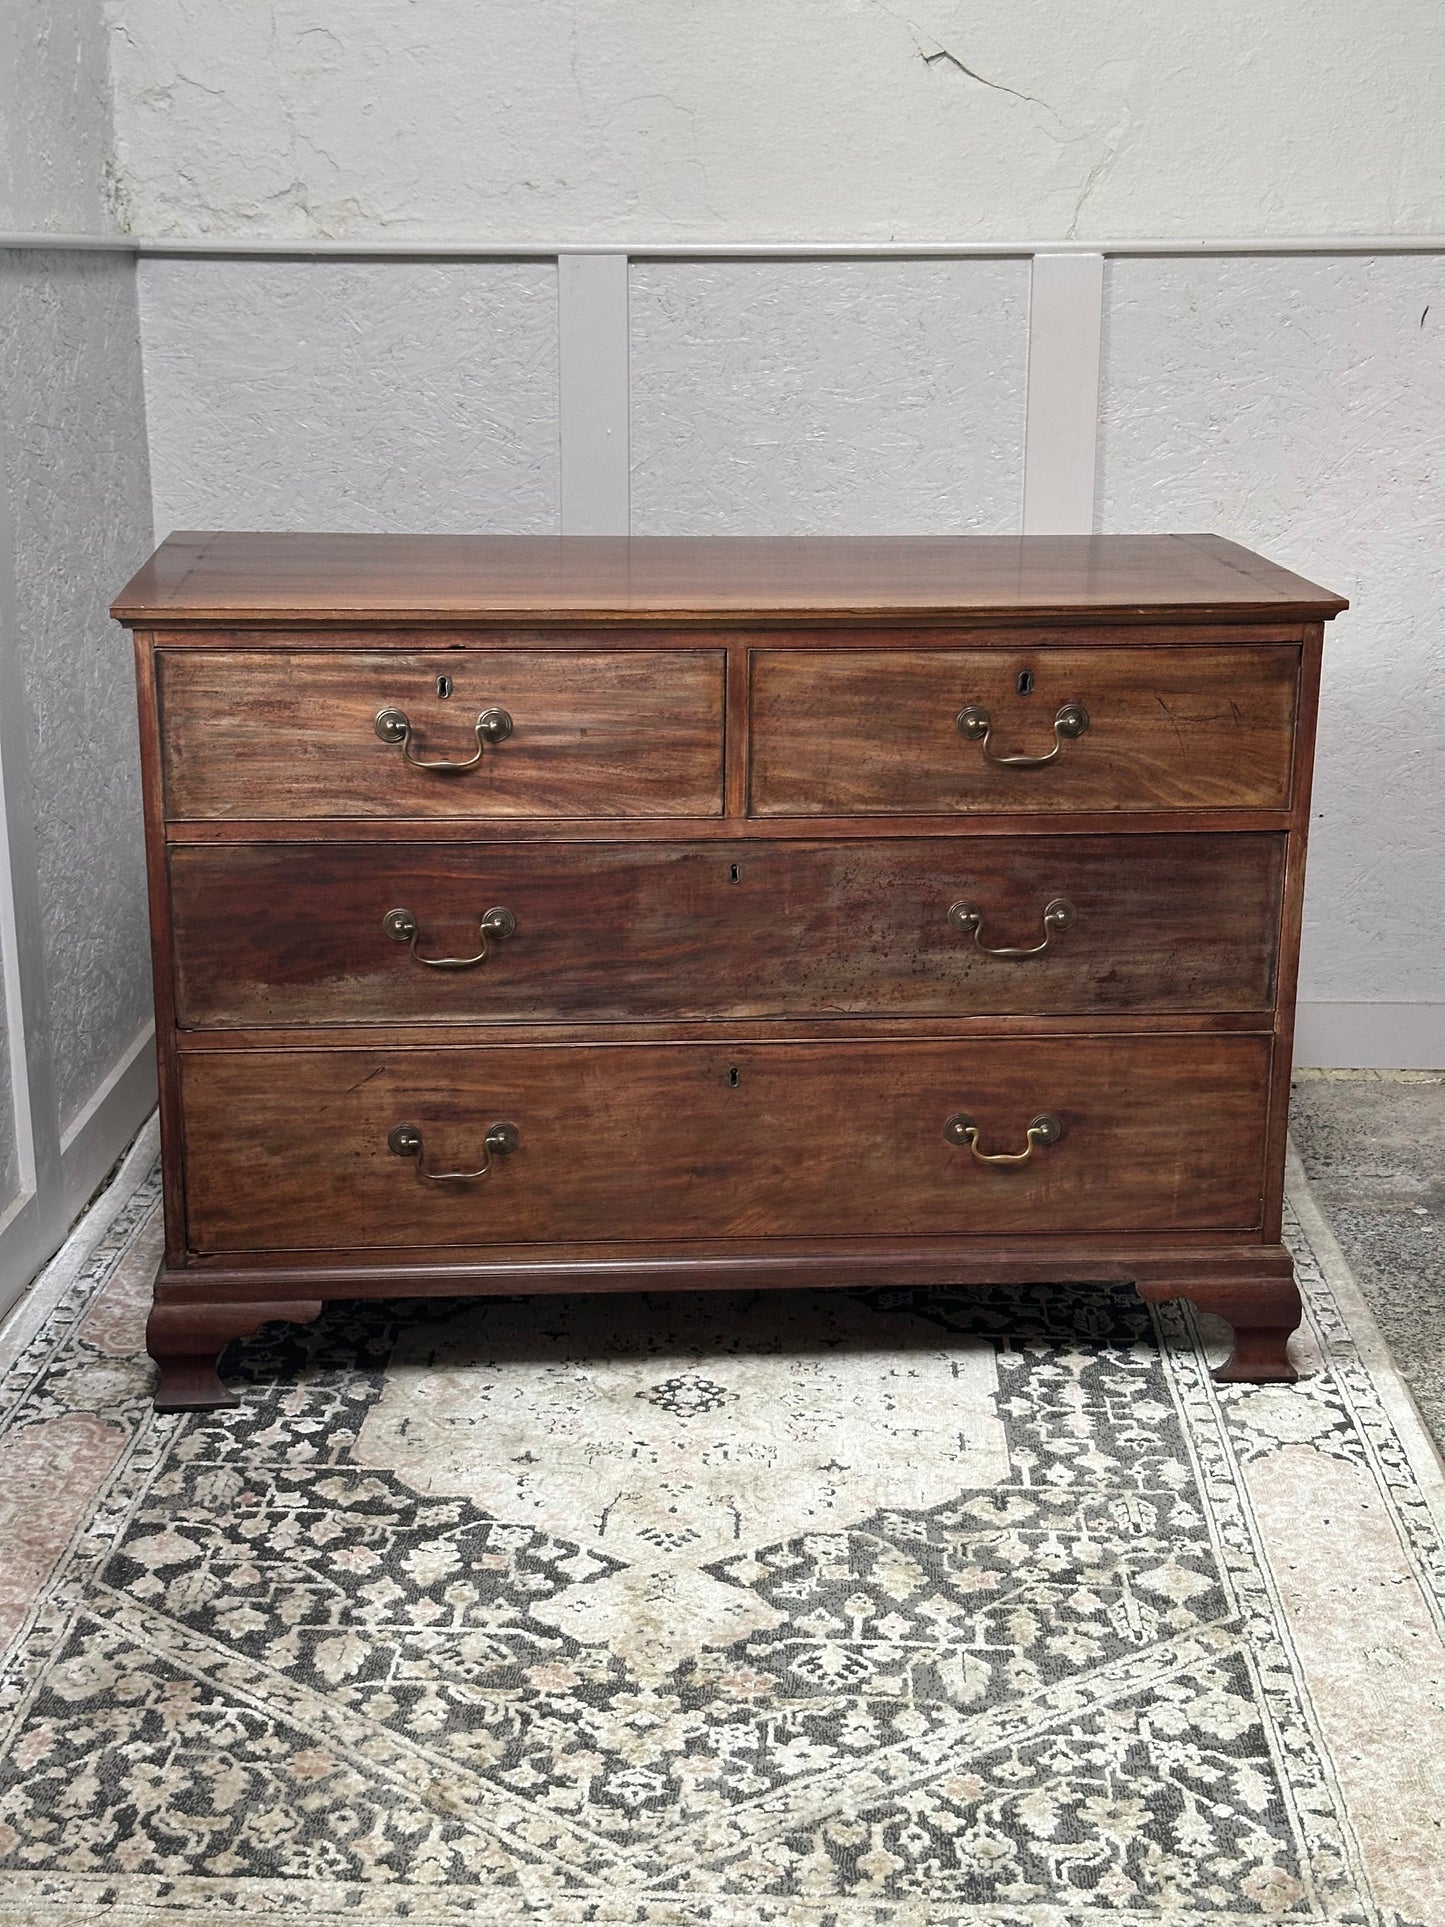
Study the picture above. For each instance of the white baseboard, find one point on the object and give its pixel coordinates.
(34, 1226)
(107, 1122)
(55, 1278)
(1370, 1037)
(25, 1245)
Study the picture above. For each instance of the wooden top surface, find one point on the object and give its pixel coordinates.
(244, 578)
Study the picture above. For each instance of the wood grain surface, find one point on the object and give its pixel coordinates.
(223, 576)
(275, 935)
(290, 1150)
(838, 733)
(260, 734)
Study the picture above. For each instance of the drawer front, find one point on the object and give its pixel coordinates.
(877, 732)
(271, 935)
(615, 733)
(292, 1150)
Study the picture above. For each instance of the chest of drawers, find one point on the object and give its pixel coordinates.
(580, 914)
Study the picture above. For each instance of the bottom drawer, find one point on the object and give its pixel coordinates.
(294, 1150)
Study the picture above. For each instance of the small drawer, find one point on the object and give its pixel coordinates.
(441, 734)
(399, 932)
(385, 1150)
(929, 732)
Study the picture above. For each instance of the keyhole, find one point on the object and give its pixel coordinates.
(1026, 682)
(733, 1075)
(444, 686)
(733, 874)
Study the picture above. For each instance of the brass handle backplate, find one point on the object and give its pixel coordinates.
(1058, 915)
(493, 726)
(405, 1140)
(1044, 1129)
(402, 927)
(975, 725)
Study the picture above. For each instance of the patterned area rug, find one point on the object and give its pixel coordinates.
(855, 1609)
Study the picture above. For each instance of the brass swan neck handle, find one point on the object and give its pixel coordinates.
(1059, 913)
(493, 726)
(405, 1141)
(975, 725)
(402, 927)
(1044, 1129)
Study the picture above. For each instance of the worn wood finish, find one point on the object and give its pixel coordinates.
(273, 935)
(1277, 1135)
(223, 577)
(963, 631)
(673, 1142)
(259, 734)
(162, 949)
(1177, 1258)
(956, 827)
(721, 1084)
(864, 733)
(683, 1030)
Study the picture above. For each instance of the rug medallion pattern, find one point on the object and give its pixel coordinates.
(821, 1609)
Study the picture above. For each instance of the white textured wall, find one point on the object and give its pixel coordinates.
(1299, 405)
(827, 397)
(79, 504)
(833, 119)
(352, 395)
(57, 174)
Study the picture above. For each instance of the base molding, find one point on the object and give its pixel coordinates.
(197, 1313)
(759, 1264)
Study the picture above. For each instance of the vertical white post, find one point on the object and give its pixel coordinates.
(593, 393)
(13, 990)
(1066, 308)
(27, 1222)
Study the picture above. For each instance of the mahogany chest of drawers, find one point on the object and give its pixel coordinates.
(542, 914)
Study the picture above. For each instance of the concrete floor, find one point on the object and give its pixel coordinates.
(1373, 1146)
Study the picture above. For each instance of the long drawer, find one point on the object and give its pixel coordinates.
(910, 731)
(302, 1150)
(351, 933)
(444, 733)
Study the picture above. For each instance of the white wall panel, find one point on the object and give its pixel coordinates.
(9, 1148)
(824, 119)
(1299, 407)
(79, 511)
(375, 396)
(828, 397)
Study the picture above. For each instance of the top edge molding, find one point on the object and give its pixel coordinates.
(281, 248)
